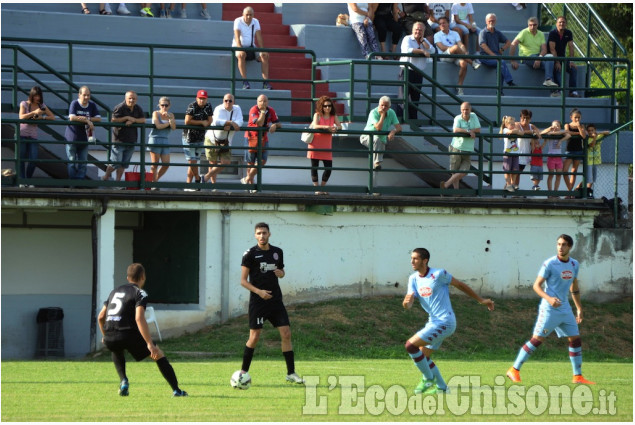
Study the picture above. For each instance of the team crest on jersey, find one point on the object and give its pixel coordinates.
(425, 291)
(566, 275)
(275, 256)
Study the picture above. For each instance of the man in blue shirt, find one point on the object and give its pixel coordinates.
(432, 288)
(490, 40)
(559, 274)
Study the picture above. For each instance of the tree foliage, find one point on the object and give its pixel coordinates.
(619, 18)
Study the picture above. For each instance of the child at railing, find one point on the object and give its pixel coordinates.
(554, 163)
(510, 159)
(536, 162)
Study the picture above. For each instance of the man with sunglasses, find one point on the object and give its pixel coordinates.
(532, 47)
(230, 117)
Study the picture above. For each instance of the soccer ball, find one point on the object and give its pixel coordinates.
(240, 380)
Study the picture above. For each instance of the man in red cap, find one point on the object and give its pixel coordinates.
(198, 113)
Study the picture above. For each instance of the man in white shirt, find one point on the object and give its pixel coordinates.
(415, 44)
(247, 34)
(449, 43)
(230, 117)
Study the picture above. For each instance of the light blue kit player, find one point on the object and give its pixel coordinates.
(432, 288)
(559, 274)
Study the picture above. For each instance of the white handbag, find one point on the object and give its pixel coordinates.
(307, 137)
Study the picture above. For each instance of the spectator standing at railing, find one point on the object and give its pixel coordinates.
(561, 40)
(532, 46)
(247, 34)
(83, 111)
(467, 122)
(260, 115)
(554, 163)
(324, 118)
(230, 117)
(387, 19)
(524, 143)
(414, 44)
(382, 118)
(31, 109)
(361, 19)
(128, 112)
(164, 123)
(449, 43)
(490, 40)
(198, 113)
(575, 147)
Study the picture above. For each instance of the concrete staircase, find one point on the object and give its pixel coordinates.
(283, 65)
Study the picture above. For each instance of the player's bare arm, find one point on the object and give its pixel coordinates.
(408, 300)
(470, 292)
(140, 318)
(553, 301)
(101, 319)
(244, 282)
(575, 294)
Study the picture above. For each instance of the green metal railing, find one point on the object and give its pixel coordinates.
(150, 75)
(441, 113)
(482, 171)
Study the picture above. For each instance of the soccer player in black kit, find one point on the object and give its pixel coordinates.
(123, 326)
(262, 266)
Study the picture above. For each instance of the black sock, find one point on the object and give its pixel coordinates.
(119, 360)
(168, 373)
(288, 357)
(248, 354)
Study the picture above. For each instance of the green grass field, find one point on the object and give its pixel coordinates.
(356, 368)
(87, 391)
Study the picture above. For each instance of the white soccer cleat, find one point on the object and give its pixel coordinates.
(295, 379)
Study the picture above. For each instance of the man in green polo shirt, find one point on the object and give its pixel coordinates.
(382, 118)
(469, 124)
(532, 44)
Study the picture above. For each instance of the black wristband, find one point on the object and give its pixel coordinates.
(575, 292)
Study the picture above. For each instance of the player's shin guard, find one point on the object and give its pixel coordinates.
(119, 360)
(288, 358)
(248, 354)
(168, 373)
(526, 351)
(419, 359)
(575, 355)
(437, 374)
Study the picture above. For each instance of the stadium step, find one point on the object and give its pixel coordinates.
(294, 66)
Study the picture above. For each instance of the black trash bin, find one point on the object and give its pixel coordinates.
(50, 332)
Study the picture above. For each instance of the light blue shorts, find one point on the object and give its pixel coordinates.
(560, 319)
(435, 332)
(120, 156)
(192, 151)
(155, 145)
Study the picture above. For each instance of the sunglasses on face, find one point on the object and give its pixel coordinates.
(328, 106)
(164, 106)
(228, 100)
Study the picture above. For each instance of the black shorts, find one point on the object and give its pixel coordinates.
(131, 341)
(274, 312)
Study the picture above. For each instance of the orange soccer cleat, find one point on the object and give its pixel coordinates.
(513, 374)
(579, 379)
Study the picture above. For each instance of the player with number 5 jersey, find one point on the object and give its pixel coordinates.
(123, 325)
(262, 266)
(432, 288)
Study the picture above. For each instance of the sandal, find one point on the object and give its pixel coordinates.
(104, 12)
(85, 11)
